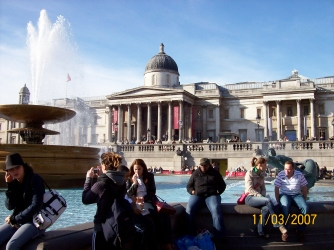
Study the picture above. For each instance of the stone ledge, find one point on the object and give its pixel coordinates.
(239, 222)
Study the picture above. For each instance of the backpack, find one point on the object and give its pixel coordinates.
(119, 225)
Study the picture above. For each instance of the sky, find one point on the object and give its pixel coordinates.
(223, 41)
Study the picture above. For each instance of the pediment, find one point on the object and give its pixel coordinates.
(144, 91)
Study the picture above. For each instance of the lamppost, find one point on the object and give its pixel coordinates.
(148, 134)
(116, 126)
(258, 119)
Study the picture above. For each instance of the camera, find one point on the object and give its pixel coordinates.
(96, 170)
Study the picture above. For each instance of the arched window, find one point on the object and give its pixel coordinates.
(153, 79)
(168, 79)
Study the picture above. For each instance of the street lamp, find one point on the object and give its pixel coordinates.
(148, 134)
(258, 119)
(116, 126)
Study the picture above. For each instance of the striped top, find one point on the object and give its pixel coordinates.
(290, 186)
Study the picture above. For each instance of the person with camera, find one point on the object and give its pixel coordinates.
(109, 186)
(25, 197)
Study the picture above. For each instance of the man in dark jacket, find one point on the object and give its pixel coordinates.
(205, 187)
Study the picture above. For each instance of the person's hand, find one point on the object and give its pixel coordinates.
(134, 179)
(90, 173)
(8, 177)
(193, 192)
(7, 220)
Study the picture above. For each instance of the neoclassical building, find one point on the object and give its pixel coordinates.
(295, 107)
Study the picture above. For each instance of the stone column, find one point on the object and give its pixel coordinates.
(204, 136)
(149, 119)
(181, 125)
(278, 103)
(108, 123)
(190, 121)
(159, 121)
(170, 121)
(217, 123)
(265, 119)
(138, 122)
(128, 134)
(299, 125)
(119, 121)
(312, 118)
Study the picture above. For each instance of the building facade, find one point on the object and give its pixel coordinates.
(294, 108)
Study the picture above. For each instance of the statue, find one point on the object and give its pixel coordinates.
(307, 167)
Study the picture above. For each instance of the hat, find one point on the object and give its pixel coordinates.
(204, 161)
(13, 160)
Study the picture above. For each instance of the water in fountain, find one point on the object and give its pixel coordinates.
(52, 56)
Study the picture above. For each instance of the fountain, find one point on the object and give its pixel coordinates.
(51, 55)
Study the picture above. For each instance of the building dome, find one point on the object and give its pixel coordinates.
(161, 61)
(24, 90)
(24, 95)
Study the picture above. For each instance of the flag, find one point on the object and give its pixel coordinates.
(68, 78)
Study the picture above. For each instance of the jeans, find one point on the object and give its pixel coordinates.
(286, 202)
(16, 238)
(266, 207)
(213, 203)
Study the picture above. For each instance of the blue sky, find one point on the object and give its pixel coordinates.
(212, 41)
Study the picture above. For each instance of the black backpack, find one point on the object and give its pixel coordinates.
(119, 225)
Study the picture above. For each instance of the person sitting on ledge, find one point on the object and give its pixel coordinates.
(288, 185)
(256, 189)
(25, 196)
(205, 187)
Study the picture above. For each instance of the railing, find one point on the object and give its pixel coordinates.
(223, 147)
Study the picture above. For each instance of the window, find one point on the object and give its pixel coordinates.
(321, 109)
(322, 134)
(226, 114)
(258, 112)
(153, 79)
(243, 134)
(168, 79)
(210, 114)
(289, 111)
(306, 112)
(242, 113)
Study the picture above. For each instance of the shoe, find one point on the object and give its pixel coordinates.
(283, 229)
(284, 237)
(263, 235)
(300, 235)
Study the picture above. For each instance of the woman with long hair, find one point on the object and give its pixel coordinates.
(256, 189)
(142, 186)
(110, 185)
(25, 197)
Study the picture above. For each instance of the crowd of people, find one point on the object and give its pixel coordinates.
(126, 197)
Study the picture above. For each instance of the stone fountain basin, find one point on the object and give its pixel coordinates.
(35, 114)
(60, 166)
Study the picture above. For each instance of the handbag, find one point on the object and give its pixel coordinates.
(242, 198)
(163, 207)
(53, 206)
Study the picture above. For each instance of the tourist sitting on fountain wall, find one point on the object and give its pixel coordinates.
(109, 186)
(25, 196)
(141, 221)
(288, 185)
(205, 187)
(256, 189)
(141, 185)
